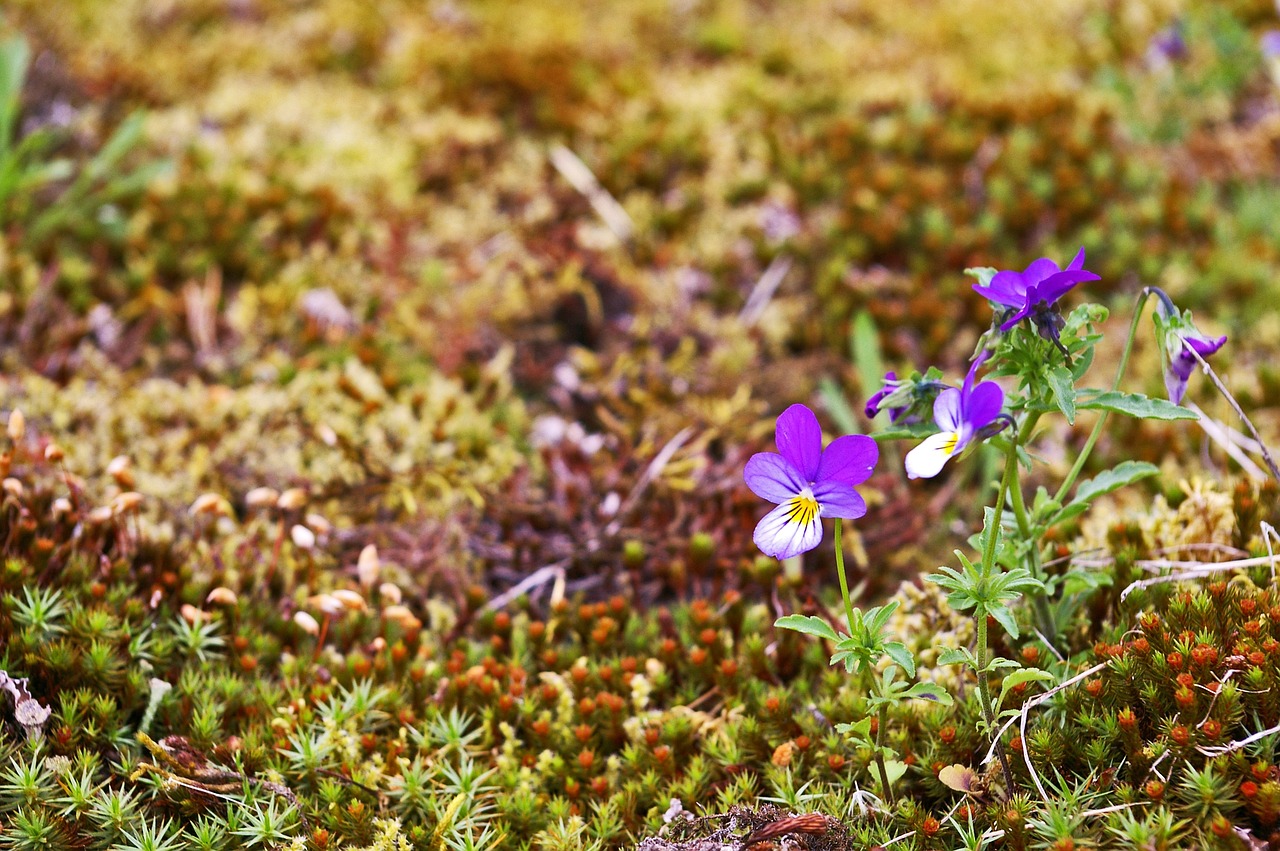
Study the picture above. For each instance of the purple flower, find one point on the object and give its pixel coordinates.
(1270, 44)
(1167, 46)
(961, 415)
(1179, 338)
(905, 398)
(877, 400)
(807, 482)
(1035, 292)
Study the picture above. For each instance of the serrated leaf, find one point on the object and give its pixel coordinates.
(1064, 391)
(998, 662)
(898, 652)
(955, 656)
(1117, 477)
(876, 619)
(860, 728)
(809, 625)
(930, 691)
(1004, 616)
(1020, 676)
(1134, 405)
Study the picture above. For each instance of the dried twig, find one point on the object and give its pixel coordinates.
(574, 170)
(1022, 727)
(762, 292)
(1235, 406)
(1221, 435)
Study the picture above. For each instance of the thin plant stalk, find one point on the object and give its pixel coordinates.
(882, 719)
(988, 564)
(1083, 457)
(1235, 406)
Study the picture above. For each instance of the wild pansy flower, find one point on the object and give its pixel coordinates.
(905, 398)
(1167, 46)
(1034, 293)
(1269, 44)
(807, 482)
(1179, 338)
(962, 416)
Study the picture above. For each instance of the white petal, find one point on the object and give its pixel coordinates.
(926, 460)
(782, 534)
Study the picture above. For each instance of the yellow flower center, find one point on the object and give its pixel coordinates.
(802, 509)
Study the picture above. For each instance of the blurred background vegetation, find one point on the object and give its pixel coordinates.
(502, 286)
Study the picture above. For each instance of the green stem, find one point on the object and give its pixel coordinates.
(1102, 418)
(984, 694)
(874, 686)
(844, 582)
(1048, 625)
(988, 566)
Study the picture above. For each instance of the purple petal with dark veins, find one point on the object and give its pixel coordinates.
(799, 439)
(772, 477)
(849, 460)
(839, 500)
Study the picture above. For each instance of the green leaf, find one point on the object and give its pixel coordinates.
(833, 399)
(999, 662)
(809, 625)
(878, 618)
(858, 729)
(864, 349)
(1085, 581)
(929, 691)
(1117, 477)
(956, 656)
(1134, 405)
(919, 430)
(984, 274)
(1020, 676)
(1004, 616)
(894, 769)
(898, 652)
(1064, 391)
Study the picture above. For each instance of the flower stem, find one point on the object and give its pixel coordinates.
(1115, 385)
(844, 582)
(883, 717)
(984, 694)
(988, 566)
(1047, 622)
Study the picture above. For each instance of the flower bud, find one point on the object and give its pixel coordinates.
(53, 453)
(119, 470)
(368, 566)
(13, 488)
(390, 592)
(402, 616)
(307, 623)
(126, 502)
(17, 425)
(210, 503)
(303, 538)
(221, 596)
(349, 599)
(292, 499)
(318, 524)
(261, 498)
(192, 615)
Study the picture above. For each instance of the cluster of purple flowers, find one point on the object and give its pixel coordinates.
(807, 482)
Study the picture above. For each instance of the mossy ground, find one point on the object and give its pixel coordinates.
(368, 300)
